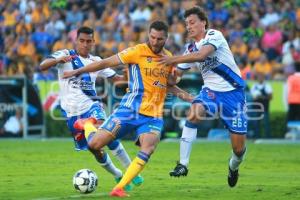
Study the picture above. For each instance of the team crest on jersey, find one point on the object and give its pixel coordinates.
(192, 47)
(211, 95)
(149, 59)
(211, 33)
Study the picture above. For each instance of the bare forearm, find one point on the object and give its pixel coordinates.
(112, 61)
(196, 56)
(189, 58)
(178, 92)
(48, 63)
(118, 78)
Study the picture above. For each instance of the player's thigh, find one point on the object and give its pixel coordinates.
(100, 139)
(196, 113)
(204, 105)
(119, 123)
(148, 133)
(233, 111)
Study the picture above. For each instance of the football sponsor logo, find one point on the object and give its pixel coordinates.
(159, 84)
(149, 59)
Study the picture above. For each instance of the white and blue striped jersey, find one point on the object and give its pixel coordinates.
(78, 94)
(219, 70)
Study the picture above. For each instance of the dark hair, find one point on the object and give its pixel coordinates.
(159, 26)
(85, 29)
(196, 10)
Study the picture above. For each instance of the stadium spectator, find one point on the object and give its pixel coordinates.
(293, 88)
(40, 13)
(141, 15)
(264, 66)
(13, 126)
(62, 43)
(246, 69)
(178, 31)
(55, 26)
(271, 42)
(26, 47)
(236, 33)
(157, 12)
(239, 49)
(270, 17)
(262, 94)
(174, 9)
(73, 17)
(219, 14)
(253, 33)
(42, 40)
(28, 15)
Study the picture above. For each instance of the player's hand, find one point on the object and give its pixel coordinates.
(68, 74)
(64, 59)
(166, 60)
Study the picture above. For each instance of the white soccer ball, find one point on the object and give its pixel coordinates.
(85, 181)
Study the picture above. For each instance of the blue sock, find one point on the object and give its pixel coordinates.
(113, 144)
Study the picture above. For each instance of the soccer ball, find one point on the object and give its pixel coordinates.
(85, 181)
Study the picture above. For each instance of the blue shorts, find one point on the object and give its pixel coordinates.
(229, 106)
(95, 111)
(125, 120)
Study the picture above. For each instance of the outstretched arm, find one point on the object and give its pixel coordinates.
(174, 78)
(118, 80)
(180, 93)
(197, 56)
(50, 62)
(109, 62)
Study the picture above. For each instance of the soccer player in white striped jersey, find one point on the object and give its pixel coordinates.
(222, 93)
(78, 98)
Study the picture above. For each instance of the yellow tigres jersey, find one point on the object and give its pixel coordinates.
(147, 80)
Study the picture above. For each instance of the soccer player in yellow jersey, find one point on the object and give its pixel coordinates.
(141, 109)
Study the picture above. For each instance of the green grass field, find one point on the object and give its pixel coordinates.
(43, 170)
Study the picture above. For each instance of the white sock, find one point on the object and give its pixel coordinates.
(186, 141)
(122, 155)
(235, 160)
(109, 166)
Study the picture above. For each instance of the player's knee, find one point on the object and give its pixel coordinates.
(238, 150)
(196, 113)
(148, 149)
(95, 144)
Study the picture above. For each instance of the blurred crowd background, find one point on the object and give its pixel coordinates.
(264, 35)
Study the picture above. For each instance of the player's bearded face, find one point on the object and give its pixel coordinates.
(194, 26)
(84, 44)
(157, 40)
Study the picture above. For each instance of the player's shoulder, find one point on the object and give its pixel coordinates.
(133, 49)
(94, 58)
(190, 47)
(213, 33)
(141, 47)
(62, 52)
(167, 52)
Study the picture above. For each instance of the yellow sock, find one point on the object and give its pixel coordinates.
(88, 129)
(136, 166)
